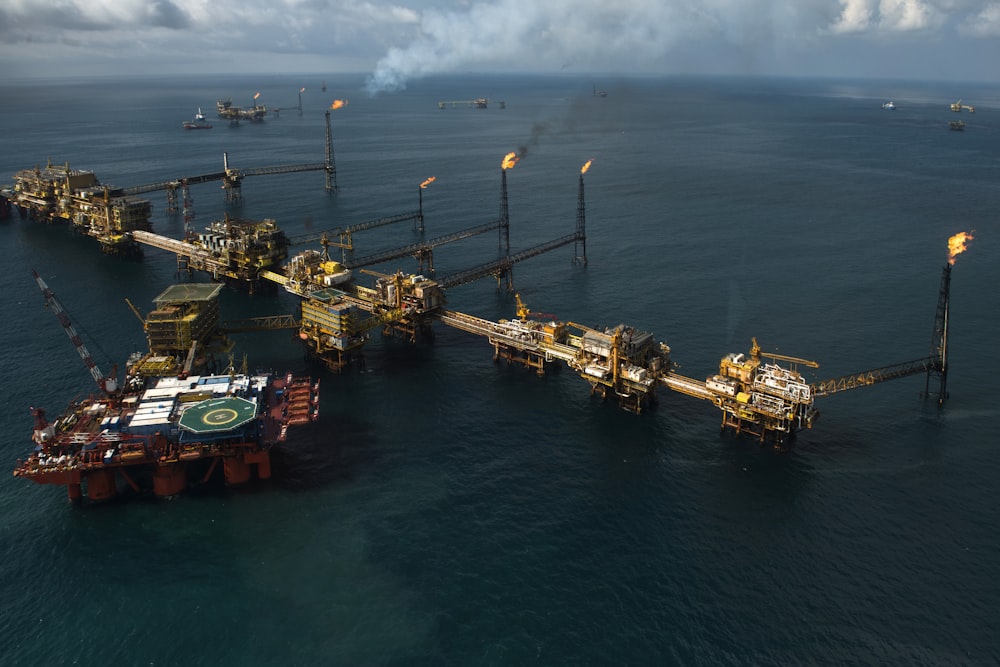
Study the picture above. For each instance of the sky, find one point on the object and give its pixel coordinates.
(397, 42)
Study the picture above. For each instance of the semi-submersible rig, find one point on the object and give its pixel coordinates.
(756, 394)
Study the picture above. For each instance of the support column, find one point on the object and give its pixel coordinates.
(264, 466)
(169, 479)
(237, 470)
(262, 459)
(101, 484)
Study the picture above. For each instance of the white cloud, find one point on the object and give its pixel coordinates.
(907, 15)
(584, 33)
(856, 16)
(398, 40)
(889, 16)
(985, 24)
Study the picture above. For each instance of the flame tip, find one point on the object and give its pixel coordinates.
(956, 245)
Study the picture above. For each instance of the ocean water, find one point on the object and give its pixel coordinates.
(447, 510)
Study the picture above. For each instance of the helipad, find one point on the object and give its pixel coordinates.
(217, 414)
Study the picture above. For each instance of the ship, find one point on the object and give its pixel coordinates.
(156, 431)
(889, 105)
(956, 125)
(198, 123)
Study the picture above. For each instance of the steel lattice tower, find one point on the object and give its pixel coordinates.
(581, 227)
(939, 340)
(504, 213)
(331, 166)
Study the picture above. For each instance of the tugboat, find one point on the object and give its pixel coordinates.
(199, 122)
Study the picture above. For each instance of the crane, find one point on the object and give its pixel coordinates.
(108, 384)
(756, 354)
(523, 311)
(136, 311)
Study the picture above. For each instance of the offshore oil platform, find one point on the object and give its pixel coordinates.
(60, 194)
(255, 113)
(119, 218)
(756, 394)
(172, 419)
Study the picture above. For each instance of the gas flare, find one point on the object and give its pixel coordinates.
(956, 245)
(509, 160)
(585, 167)
(338, 103)
(428, 181)
(256, 95)
(302, 89)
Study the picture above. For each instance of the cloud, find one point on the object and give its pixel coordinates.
(646, 34)
(985, 24)
(401, 40)
(889, 16)
(588, 33)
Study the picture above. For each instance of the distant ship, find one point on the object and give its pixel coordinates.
(599, 93)
(956, 125)
(889, 105)
(199, 122)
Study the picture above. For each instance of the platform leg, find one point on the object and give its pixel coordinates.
(169, 480)
(237, 470)
(101, 484)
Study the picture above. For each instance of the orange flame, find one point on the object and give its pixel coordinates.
(302, 89)
(956, 245)
(509, 160)
(585, 167)
(256, 95)
(428, 181)
(338, 103)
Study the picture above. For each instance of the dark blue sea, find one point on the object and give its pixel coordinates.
(446, 510)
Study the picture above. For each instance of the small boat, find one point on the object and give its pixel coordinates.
(889, 105)
(199, 122)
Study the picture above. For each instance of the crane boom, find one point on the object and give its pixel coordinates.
(136, 311)
(755, 351)
(106, 384)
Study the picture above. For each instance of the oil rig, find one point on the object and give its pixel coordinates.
(478, 103)
(760, 394)
(113, 215)
(166, 425)
(175, 416)
(57, 193)
(255, 113)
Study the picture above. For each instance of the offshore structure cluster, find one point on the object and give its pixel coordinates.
(173, 419)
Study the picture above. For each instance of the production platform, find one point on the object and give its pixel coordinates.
(173, 410)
